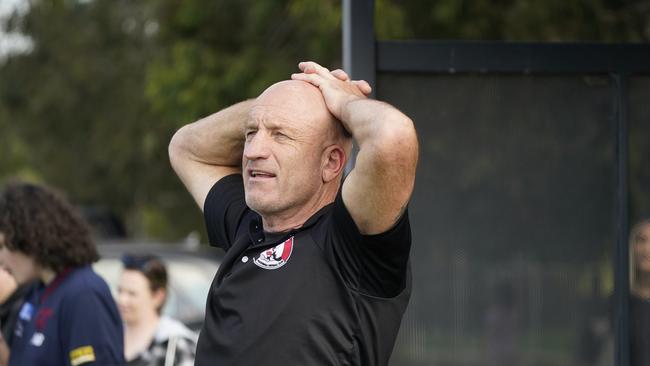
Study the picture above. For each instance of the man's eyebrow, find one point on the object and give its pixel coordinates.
(288, 130)
(250, 123)
(272, 123)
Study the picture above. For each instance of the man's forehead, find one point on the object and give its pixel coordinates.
(271, 116)
(293, 95)
(284, 116)
(291, 104)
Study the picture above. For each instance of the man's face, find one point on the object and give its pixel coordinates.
(282, 162)
(19, 265)
(642, 249)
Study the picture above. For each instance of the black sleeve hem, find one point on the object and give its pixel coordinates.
(397, 231)
(377, 263)
(223, 207)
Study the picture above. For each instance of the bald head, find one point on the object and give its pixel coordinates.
(297, 88)
(296, 97)
(302, 101)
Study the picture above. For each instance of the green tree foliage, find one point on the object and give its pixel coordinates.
(220, 52)
(517, 20)
(74, 108)
(92, 107)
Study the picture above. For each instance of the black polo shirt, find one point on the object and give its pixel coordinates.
(320, 295)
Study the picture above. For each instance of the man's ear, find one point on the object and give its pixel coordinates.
(333, 163)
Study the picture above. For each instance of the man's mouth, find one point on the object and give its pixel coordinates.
(260, 174)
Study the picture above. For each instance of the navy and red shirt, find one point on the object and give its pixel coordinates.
(323, 294)
(72, 321)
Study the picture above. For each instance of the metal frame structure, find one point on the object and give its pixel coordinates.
(511, 57)
(364, 56)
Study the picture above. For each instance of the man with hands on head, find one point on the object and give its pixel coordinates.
(316, 272)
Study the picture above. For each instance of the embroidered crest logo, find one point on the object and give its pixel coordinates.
(275, 257)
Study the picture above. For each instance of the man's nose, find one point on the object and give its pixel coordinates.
(256, 147)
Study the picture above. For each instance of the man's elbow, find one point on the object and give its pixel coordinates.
(178, 149)
(404, 131)
(399, 140)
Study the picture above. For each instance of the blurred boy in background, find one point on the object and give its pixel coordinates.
(69, 317)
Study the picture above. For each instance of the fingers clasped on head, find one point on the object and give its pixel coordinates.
(317, 75)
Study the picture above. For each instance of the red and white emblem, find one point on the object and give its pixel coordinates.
(275, 257)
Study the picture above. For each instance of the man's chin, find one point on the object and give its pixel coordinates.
(258, 205)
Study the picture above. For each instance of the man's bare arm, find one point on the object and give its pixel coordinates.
(377, 190)
(209, 149)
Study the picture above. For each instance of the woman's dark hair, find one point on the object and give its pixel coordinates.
(152, 268)
(40, 223)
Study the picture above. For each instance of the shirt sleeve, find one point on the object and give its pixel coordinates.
(375, 265)
(91, 330)
(224, 209)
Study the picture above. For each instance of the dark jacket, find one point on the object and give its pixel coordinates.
(9, 311)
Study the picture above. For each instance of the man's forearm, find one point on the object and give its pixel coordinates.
(209, 149)
(217, 139)
(374, 124)
(378, 188)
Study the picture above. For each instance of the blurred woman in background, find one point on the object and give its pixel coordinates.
(640, 294)
(151, 339)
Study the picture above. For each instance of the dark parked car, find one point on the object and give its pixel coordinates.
(190, 274)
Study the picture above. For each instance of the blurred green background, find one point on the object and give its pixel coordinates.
(91, 91)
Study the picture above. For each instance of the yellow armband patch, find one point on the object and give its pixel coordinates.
(82, 355)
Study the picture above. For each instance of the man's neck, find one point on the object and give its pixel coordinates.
(296, 218)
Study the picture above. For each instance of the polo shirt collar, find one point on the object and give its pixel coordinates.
(261, 238)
